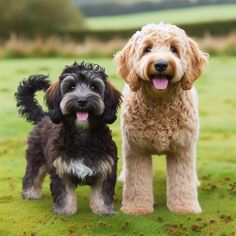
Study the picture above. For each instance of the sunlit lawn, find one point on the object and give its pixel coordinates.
(216, 164)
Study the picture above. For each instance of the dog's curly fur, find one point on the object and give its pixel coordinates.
(158, 120)
(77, 147)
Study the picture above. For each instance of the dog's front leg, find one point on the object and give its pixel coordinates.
(102, 194)
(182, 182)
(63, 194)
(137, 191)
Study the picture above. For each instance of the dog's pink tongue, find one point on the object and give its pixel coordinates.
(82, 116)
(160, 83)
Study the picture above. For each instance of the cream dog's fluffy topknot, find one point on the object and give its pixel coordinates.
(159, 115)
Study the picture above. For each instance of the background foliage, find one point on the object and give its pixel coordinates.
(40, 17)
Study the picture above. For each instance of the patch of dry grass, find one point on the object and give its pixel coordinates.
(53, 46)
(16, 47)
(224, 45)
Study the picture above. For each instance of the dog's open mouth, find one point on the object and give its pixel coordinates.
(160, 82)
(82, 116)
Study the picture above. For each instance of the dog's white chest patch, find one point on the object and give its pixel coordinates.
(79, 169)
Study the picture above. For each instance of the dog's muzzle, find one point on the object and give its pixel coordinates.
(82, 107)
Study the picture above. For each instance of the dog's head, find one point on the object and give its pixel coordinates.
(82, 95)
(160, 56)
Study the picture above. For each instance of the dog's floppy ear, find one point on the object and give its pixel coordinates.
(112, 101)
(53, 99)
(196, 62)
(126, 69)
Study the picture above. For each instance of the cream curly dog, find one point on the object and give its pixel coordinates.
(159, 115)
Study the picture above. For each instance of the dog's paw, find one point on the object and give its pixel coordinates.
(137, 210)
(183, 209)
(107, 213)
(31, 194)
(105, 210)
(64, 211)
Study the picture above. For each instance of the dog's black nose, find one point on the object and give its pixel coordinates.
(161, 65)
(82, 102)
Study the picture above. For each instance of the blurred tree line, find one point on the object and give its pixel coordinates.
(38, 17)
(117, 7)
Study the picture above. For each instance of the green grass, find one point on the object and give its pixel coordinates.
(176, 16)
(216, 165)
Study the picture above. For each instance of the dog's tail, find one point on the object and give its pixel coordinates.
(27, 104)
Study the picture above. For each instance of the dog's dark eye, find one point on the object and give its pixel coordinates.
(71, 87)
(93, 87)
(147, 49)
(173, 49)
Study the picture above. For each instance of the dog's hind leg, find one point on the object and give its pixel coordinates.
(35, 172)
(64, 196)
(121, 177)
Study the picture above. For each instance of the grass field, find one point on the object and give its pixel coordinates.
(216, 165)
(176, 16)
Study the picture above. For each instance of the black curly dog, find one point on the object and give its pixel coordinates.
(72, 141)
